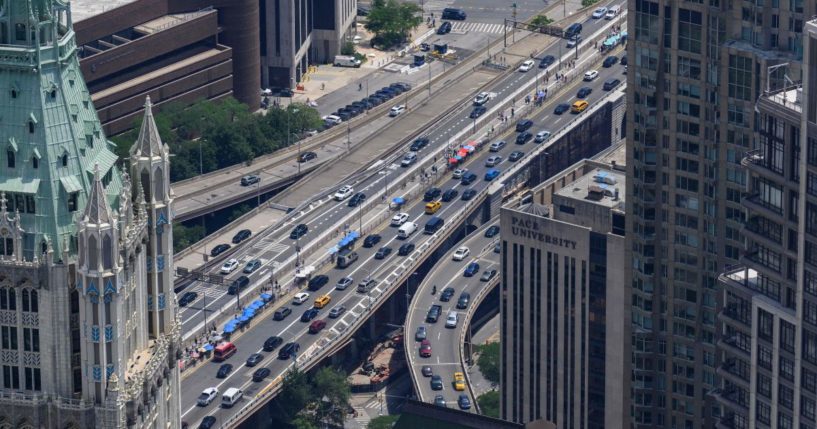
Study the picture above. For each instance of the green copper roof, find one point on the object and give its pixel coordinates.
(52, 136)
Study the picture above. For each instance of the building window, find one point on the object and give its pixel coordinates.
(8, 337)
(11, 377)
(764, 357)
(65, 160)
(764, 386)
(32, 376)
(73, 201)
(8, 298)
(786, 336)
(35, 162)
(807, 407)
(31, 127)
(740, 77)
(764, 412)
(689, 30)
(20, 32)
(31, 340)
(809, 346)
(30, 303)
(785, 396)
(765, 325)
(10, 158)
(808, 380)
(786, 368)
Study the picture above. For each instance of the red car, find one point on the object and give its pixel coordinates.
(316, 326)
(425, 348)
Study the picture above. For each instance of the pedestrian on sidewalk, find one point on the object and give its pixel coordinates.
(323, 86)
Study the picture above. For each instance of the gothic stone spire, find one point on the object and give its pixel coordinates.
(149, 143)
(97, 210)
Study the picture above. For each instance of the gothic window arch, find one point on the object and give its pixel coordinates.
(10, 155)
(64, 159)
(93, 254)
(107, 252)
(31, 300)
(6, 243)
(35, 162)
(81, 255)
(158, 183)
(8, 298)
(145, 179)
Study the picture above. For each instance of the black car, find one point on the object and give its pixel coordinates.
(403, 85)
(390, 90)
(561, 108)
(384, 95)
(434, 313)
(343, 115)
(610, 61)
(272, 343)
(241, 236)
(546, 61)
(375, 100)
(282, 313)
(371, 240)
(260, 374)
(318, 282)
(445, 28)
(450, 194)
(454, 13)
(187, 298)
(405, 249)
(584, 92)
(446, 294)
(307, 156)
(516, 155)
(427, 371)
(382, 252)
(492, 231)
(462, 302)
(523, 125)
(238, 285)
(523, 137)
(623, 61)
(221, 248)
(288, 350)
(255, 359)
(468, 194)
(299, 231)
(477, 112)
(432, 194)
(611, 83)
(207, 423)
(309, 315)
(224, 370)
(419, 144)
(357, 199)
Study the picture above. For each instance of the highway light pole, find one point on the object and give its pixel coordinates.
(289, 119)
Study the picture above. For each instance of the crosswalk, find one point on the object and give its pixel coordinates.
(481, 27)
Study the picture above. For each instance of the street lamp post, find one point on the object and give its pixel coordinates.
(289, 119)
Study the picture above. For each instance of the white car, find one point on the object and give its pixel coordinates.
(574, 41)
(451, 321)
(300, 298)
(482, 98)
(459, 172)
(229, 266)
(599, 13)
(526, 66)
(207, 396)
(344, 192)
(396, 110)
(461, 253)
(408, 159)
(332, 119)
(542, 136)
(590, 75)
(399, 219)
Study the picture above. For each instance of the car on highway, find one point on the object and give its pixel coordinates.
(219, 249)
(344, 283)
(497, 248)
(405, 249)
(309, 315)
(399, 219)
(584, 92)
(461, 253)
(468, 178)
(463, 402)
(272, 343)
(283, 312)
(516, 156)
(317, 326)
(238, 285)
(241, 236)
(229, 266)
(541, 136)
(468, 194)
(599, 13)
(446, 294)
(579, 106)
(432, 207)
(408, 159)
(526, 66)
(396, 110)
(454, 13)
(611, 83)
(623, 61)
(487, 275)
(336, 311)
(425, 348)
(573, 41)
(610, 61)
(546, 61)
(492, 231)
(434, 313)
(451, 320)
(299, 231)
(366, 285)
(591, 75)
(224, 370)
(371, 240)
(427, 371)
(439, 401)
(260, 374)
(497, 146)
(523, 125)
(491, 174)
(254, 359)
(382, 252)
(207, 396)
(459, 172)
(288, 350)
(523, 137)
(463, 300)
(436, 382)
(482, 98)
(477, 112)
(250, 180)
(561, 108)
(322, 301)
(471, 269)
(459, 381)
(418, 144)
(307, 156)
(432, 194)
(357, 199)
(445, 28)
(208, 422)
(344, 192)
(318, 282)
(450, 195)
(252, 265)
(421, 333)
(300, 298)
(493, 160)
(187, 298)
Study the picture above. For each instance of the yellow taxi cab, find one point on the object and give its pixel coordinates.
(459, 381)
(322, 301)
(579, 106)
(433, 206)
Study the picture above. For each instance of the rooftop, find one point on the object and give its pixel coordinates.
(790, 98)
(603, 186)
(84, 9)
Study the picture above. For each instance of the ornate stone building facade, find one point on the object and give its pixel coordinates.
(89, 333)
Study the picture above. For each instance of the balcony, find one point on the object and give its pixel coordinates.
(756, 163)
(753, 230)
(731, 316)
(730, 344)
(728, 369)
(728, 398)
(755, 204)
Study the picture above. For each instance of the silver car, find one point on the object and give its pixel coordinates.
(493, 160)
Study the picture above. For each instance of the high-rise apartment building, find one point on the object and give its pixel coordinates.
(768, 344)
(697, 70)
(88, 327)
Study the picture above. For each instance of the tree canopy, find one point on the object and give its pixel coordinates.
(489, 403)
(541, 21)
(488, 362)
(311, 401)
(383, 422)
(391, 21)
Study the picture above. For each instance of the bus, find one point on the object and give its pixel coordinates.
(224, 351)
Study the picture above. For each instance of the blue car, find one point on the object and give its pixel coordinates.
(309, 315)
(471, 269)
(491, 174)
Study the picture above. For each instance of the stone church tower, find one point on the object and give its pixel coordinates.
(89, 332)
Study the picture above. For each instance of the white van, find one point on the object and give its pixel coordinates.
(230, 397)
(346, 61)
(406, 230)
(613, 12)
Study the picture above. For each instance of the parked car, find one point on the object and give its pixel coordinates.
(241, 236)
(219, 249)
(382, 252)
(344, 283)
(471, 269)
(405, 249)
(252, 265)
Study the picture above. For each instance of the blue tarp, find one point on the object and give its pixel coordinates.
(398, 200)
(612, 40)
(208, 347)
(333, 250)
(266, 296)
(244, 318)
(257, 304)
(229, 328)
(248, 312)
(349, 239)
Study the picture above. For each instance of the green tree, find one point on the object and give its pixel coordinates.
(331, 384)
(184, 236)
(489, 403)
(391, 21)
(488, 362)
(586, 3)
(383, 422)
(296, 393)
(541, 21)
(303, 421)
